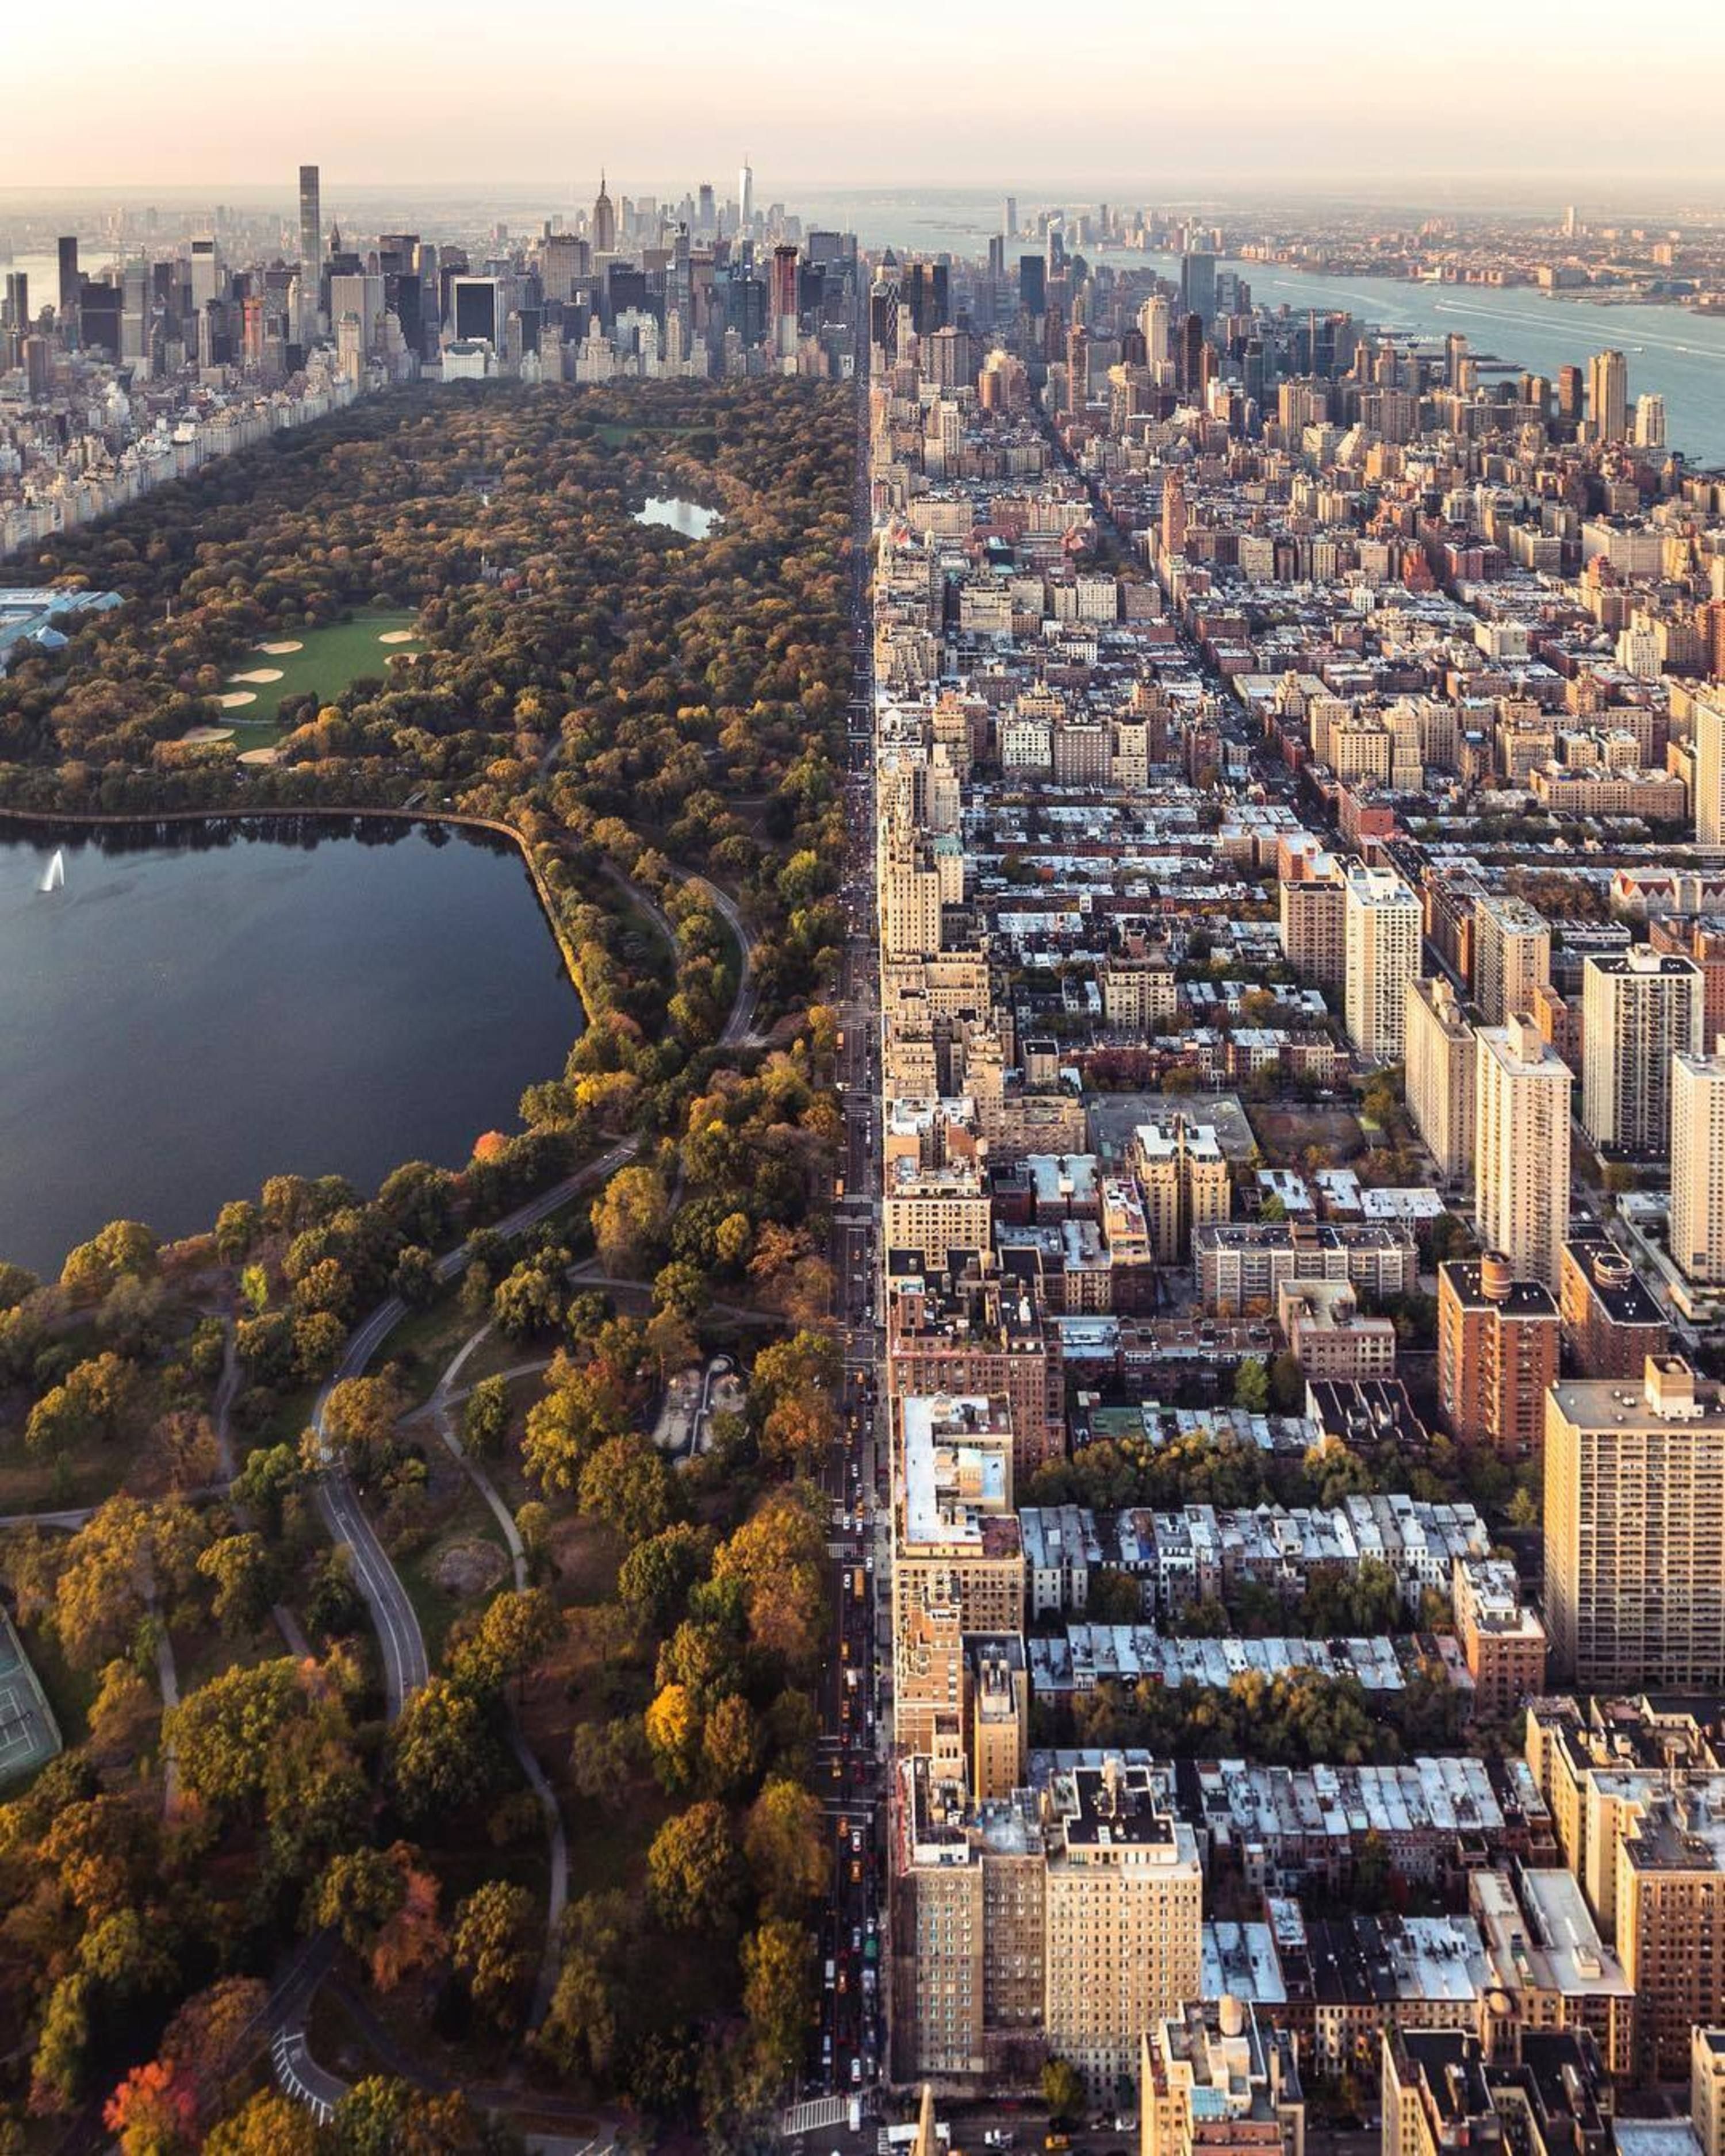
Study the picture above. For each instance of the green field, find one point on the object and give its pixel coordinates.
(327, 662)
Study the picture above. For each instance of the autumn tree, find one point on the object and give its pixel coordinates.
(693, 1869)
(490, 1949)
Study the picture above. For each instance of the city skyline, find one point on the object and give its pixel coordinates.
(1188, 114)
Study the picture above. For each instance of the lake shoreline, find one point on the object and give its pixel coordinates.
(50, 820)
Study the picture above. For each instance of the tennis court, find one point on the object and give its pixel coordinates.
(29, 1736)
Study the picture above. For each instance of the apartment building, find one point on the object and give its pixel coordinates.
(1611, 1322)
(1697, 1215)
(1503, 1641)
(1440, 1060)
(1634, 1530)
(1211, 2076)
(1312, 905)
(1383, 931)
(1184, 1176)
(1498, 1338)
(1511, 955)
(1639, 1011)
(1521, 1149)
(942, 1213)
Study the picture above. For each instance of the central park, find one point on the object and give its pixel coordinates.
(573, 1860)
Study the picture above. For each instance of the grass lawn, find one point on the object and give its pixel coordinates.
(456, 1513)
(85, 1475)
(328, 661)
(1284, 1132)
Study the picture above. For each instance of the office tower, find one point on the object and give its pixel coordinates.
(1497, 1352)
(1382, 930)
(1608, 397)
(1173, 514)
(1439, 1057)
(1197, 287)
(604, 221)
(1634, 1558)
(135, 313)
(17, 300)
(1511, 957)
(1189, 360)
(1638, 1011)
(1697, 1215)
(1522, 1148)
(1156, 323)
(206, 273)
(1033, 284)
(477, 308)
(1649, 421)
(1009, 217)
(310, 224)
(782, 300)
(70, 288)
(746, 196)
(1570, 392)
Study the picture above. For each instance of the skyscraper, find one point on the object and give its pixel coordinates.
(604, 221)
(1197, 287)
(71, 289)
(1521, 1149)
(1383, 931)
(310, 224)
(1608, 397)
(1637, 1012)
(1697, 1218)
(1649, 421)
(1009, 217)
(745, 195)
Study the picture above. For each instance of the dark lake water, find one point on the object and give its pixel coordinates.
(200, 1008)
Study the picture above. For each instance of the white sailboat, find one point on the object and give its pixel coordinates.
(54, 876)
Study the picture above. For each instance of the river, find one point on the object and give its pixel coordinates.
(200, 1008)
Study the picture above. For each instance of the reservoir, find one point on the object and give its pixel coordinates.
(198, 1007)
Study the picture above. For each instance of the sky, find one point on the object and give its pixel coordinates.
(1332, 95)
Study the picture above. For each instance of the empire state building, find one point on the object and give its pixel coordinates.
(604, 221)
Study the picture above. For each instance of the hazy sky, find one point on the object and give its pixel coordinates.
(897, 92)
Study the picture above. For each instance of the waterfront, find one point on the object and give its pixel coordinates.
(201, 1007)
(687, 517)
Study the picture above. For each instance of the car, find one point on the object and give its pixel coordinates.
(855, 2073)
(856, 1841)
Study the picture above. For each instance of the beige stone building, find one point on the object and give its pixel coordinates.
(1521, 1149)
(1635, 1531)
(1440, 1059)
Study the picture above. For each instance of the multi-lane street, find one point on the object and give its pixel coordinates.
(848, 2049)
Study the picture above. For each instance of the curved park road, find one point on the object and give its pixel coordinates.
(406, 1668)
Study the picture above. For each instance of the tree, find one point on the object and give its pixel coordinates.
(415, 1279)
(128, 1560)
(786, 1845)
(673, 1730)
(777, 1557)
(778, 1993)
(1113, 1598)
(359, 1419)
(269, 2125)
(731, 1745)
(693, 1869)
(654, 1579)
(237, 1226)
(384, 2117)
(627, 1486)
(1251, 1385)
(226, 1732)
(1063, 2091)
(385, 1908)
(630, 1220)
(512, 1632)
(123, 1247)
(800, 1431)
(244, 1579)
(444, 1753)
(488, 1948)
(485, 1418)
